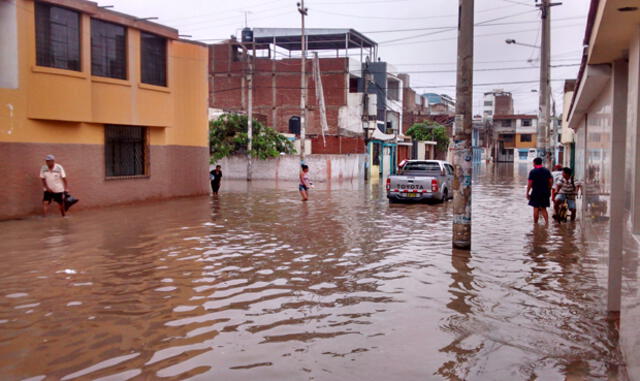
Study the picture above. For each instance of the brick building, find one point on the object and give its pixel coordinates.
(497, 102)
(347, 85)
(277, 83)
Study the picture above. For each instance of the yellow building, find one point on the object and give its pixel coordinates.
(121, 102)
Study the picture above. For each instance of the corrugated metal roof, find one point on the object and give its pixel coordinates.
(317, 38)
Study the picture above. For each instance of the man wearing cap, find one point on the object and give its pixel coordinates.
(54, 182)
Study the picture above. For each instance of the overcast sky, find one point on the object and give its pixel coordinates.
(417, 52)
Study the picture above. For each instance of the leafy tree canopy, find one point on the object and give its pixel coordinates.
(429, 130)
(228, 135)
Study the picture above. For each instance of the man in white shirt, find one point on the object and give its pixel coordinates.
(54, 183)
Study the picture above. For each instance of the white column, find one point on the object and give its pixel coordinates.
(633, 131)
(618, 147)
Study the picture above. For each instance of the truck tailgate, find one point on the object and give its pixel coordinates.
(410, 183)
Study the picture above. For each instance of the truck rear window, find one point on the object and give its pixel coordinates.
(422, 167)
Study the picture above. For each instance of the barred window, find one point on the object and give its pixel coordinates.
(526, 122)
(153, 53)
(57, 37)
(524, 138)
(108, 49)
(125, 151)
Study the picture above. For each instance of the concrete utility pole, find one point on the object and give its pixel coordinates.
(303, 81)
(365, 115)
(544, 111)
(250, 112)
(462, 155)
(249, 77)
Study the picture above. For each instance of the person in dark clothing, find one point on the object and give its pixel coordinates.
(539, 190)
(215, 176)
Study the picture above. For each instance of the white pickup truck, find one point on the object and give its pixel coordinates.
(420, 180)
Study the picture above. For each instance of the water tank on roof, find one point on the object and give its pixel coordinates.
(247, 35)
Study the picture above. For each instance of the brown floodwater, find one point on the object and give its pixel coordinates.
(256, 285)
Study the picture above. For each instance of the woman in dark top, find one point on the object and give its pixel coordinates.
(539, 190)
(540, 183)
(216, 177)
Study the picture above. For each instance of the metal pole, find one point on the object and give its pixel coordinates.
(462, 129)
(303, 82)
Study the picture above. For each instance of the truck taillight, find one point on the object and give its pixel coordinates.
(388, 183)
(434, 185)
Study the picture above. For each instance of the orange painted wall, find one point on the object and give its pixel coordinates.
(520, 144)
(63, 106)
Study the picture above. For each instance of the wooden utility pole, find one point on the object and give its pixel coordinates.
(544, 111)
(462, 155)
(303, 82)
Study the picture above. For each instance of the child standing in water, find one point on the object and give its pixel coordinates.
(305, 182)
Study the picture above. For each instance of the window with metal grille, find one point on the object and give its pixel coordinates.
(108, 49)
(153, 57)
(125, 151)
(526, 122)
(57, 37)
(524, 138)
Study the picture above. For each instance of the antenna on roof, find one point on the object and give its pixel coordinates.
(246, 13)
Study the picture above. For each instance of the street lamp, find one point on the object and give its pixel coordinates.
(511, 41)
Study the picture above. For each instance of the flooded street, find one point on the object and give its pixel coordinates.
(255, 285)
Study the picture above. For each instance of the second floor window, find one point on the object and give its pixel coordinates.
(57, 37)
(153, 56)
(506, 123)
(108, 49)
(526, 122)
(525, 138)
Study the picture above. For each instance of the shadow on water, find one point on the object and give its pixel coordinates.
(254, 284)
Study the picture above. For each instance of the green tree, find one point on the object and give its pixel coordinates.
(228, 136)
(432, 131)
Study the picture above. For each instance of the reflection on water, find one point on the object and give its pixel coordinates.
(254, 284)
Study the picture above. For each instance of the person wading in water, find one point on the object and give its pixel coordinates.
(305, 182)
(539, 190)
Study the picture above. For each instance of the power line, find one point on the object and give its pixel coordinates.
(489, 69)
(359, 2)
(449, 27)
(475, 62)
(239, 71)
(222, 11)
(454, 28)
(399, 18)
(518, 3)
(483, 35)
(382, 88)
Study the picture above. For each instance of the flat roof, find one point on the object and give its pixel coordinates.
(94, 10)
(317, 38)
